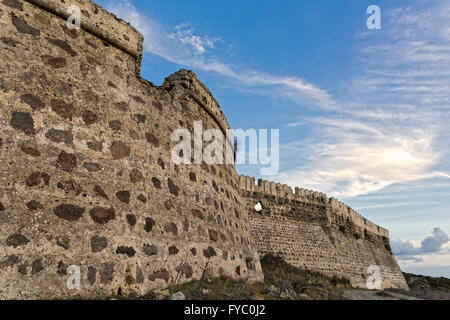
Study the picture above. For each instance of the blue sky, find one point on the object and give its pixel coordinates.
(363, 114)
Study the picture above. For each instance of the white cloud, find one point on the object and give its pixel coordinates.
(392, 125)
(433, 244)
(387, 129)
(185, 35)
(181, 45)
(342, 165)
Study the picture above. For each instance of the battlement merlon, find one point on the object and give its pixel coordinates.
(336, 207)
(102, 24)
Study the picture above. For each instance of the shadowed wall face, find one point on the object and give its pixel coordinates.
(87, 178)
(310, 232)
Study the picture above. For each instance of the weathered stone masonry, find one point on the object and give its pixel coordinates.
(86, 171)
(310, 231)
(87, 178)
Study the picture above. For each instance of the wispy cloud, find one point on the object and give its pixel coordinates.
(389, 126)
(392, 123)
(346, 159)
(397, 205)
(182, 45)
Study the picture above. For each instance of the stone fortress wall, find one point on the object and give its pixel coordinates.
(87, 177)
(86, 171)
(312, 232)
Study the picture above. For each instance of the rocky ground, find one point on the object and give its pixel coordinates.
(285, 282)
(428, 287)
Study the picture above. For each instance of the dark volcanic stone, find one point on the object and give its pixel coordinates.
(116, 125)
(94, 145)
(130, 280)
(2, 84)
(13, 4)
(149, 224)
(142, 198)
(102, 215)
(22, 269)
(23, 121)
(70, 186)
(213, 235)
(185, 269)
(171, 228)
(123, 196)
(36, 178)
(173, 189)
(34, 205)
(13, 43)
(59, 136)
(23, 27)
(65, 89)
(119, 150)
(173, 250)
(168, 205)
(129, 251)
(63, 242)
(131, 219)
(98, 243)
(66, 161)
(55, 62)
(91, 167)
(107, 273)
(34, 102)
(161, 274)
(150, 250)
(9, 261)
(61, 269)
(16, 240)
(68, 212)
(71, 33)
(139, 276)
(121, 106)
(156, 183)
(91, 276)
(27, 149)
(209, 252)
(141, 118)
(197, 213)
(62, 45)
(62, 109)
(37, 266)
(136, 176)
(157, 105)
(89, 117)
(152, 139)
(99, 191)
(161, 163)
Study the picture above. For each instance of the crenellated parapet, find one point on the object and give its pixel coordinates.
(310, 231)
(341, 211)
(279, 190)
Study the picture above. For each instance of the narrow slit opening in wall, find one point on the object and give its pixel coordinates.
(250, 264)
